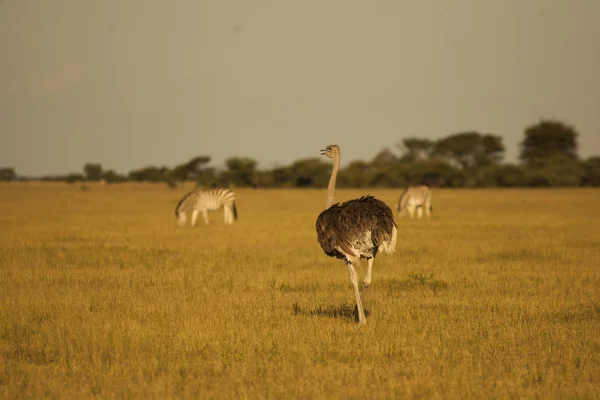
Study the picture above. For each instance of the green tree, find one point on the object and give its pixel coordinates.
(390, 176)
(264, 178)
(435, 173)
(415, 149)
(357, 174)
(150, 174)
(384, 158)
(75, 177)
(281, 176)
(555, 171)
(471, 149)
(206, 177)
(241, 171)
(591, 167)
(310, 172)
(506, 175)
(7, 174)
(548, 138)
(111, 176)
(192, 170)
(491, 151)
(93, 172)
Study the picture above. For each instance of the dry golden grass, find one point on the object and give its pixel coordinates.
(497, 296)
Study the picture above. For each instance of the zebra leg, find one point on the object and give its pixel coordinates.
(354, 279)
(411, 210)
(227, 213)
(230, 211)
(428, 209)
(194, 216)
(420, 212)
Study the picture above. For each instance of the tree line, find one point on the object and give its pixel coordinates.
(548, 158)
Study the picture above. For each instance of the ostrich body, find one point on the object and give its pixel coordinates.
(355, 229)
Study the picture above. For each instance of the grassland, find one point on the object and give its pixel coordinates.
(497, 296)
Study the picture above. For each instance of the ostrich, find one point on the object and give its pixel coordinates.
(355, 229)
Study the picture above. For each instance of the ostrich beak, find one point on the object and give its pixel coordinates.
(323, 152)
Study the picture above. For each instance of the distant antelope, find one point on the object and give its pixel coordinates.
(415, 198)
(355, 229)
(204, 200)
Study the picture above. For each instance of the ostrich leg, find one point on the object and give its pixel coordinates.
(354, 279)
(368, 278)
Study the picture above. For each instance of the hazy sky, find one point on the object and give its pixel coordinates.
(131, 83)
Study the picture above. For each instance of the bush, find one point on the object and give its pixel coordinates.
(591, 166)
(150, 174)
(357, 174)
(75, 177)
(7, 174)
(111, 176)
(556, 171)
(500, 176)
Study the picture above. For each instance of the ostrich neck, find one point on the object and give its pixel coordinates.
(332, 179)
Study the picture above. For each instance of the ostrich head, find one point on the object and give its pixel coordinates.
(331, 151)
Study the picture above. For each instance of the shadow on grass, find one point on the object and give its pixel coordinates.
(32, 356)
(344, 311)
(415, 280)
(576, 314)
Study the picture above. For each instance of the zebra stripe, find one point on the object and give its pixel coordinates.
(204, 200)
(415, 198)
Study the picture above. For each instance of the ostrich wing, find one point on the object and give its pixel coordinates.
(331, 237)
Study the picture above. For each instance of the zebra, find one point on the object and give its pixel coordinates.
(415, 198)
(204, 200)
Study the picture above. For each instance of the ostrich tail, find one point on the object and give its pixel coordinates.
(235, 215)
(389, 246)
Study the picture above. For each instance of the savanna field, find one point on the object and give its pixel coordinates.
(101, 295)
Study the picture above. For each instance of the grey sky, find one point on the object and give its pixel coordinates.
(131, 83)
